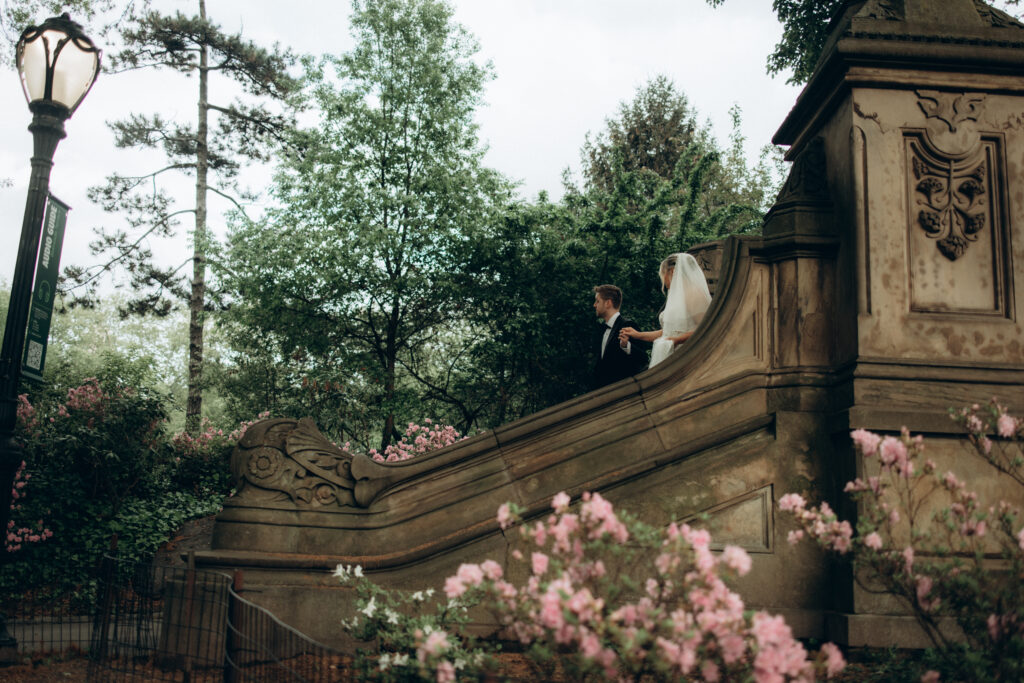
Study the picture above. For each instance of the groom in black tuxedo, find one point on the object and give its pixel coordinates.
(614, 362)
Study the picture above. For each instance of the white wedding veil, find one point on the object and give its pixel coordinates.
(688, 296)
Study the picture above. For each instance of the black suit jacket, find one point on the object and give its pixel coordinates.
(616, 363)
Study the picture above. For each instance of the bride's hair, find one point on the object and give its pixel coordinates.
(667, 266)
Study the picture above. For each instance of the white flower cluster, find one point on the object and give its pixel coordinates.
(387, 661)
(348, 571)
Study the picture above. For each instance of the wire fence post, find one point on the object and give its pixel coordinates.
(231, 658)
(101, 630)
(190, 603)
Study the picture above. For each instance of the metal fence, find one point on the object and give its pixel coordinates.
(153, 623)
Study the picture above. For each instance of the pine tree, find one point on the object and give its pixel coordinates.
(242, 132)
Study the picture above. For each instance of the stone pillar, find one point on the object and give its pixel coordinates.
(918, 107)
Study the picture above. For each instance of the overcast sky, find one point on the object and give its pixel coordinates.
(562, 67)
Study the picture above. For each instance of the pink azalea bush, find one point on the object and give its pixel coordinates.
(584, 601)
(18, 534)
(418, 439)
(201, 462)
(995, 435)
(924, 537)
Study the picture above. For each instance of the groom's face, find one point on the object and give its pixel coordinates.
(603, 307)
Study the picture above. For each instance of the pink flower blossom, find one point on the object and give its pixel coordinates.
(792, 502)
(1006, 425)
(590, 645)
(504, 516)
(908, 559)
(737, 559)
(892, 451)
(560, 503)
(491, 569)
(539, 562)
(873, 541)
(924, 589)
(435, 644)
(470, 574)
(710, 672)
(454, 587)
(866, 441)
(834, 662)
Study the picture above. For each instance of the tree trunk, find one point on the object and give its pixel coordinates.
(194, 406)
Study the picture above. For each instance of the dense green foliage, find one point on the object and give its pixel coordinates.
(360, 267)
(99, 462)
(378, 297)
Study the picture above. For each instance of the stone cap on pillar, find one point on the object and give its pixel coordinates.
(893, 43)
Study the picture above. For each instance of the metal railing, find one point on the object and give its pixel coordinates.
(155, 623)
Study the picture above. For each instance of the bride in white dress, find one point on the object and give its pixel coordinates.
(686, 303)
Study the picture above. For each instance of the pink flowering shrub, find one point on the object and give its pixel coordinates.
(584, 601)
(418, 439)
(583, 598)
(18, 534)
(996, 435)
(201, 463)
(924, 537)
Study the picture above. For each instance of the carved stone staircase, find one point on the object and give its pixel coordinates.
(882, 292)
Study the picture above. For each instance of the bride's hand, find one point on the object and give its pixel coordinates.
(676, 341)
(626, 333)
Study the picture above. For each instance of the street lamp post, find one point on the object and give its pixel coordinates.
(58, 64)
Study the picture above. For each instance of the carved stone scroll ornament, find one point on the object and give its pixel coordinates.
(954, 109)
(951, 196)
(290, 461)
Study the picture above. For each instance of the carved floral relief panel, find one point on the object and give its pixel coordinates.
(956, 231)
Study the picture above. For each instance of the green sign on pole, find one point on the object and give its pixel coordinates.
(39, 316)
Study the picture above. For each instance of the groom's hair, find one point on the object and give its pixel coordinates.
(610, 293)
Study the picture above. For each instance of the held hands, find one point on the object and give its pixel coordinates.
(625, 334)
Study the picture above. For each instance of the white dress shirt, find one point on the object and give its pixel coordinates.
(609, 323)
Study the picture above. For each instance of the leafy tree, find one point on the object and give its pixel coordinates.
(656, 182)
(359, 266)
(651, 133)
(653, 182)
(243, 132)
(805, 29)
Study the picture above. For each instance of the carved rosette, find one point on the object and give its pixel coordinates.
(951, 196)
